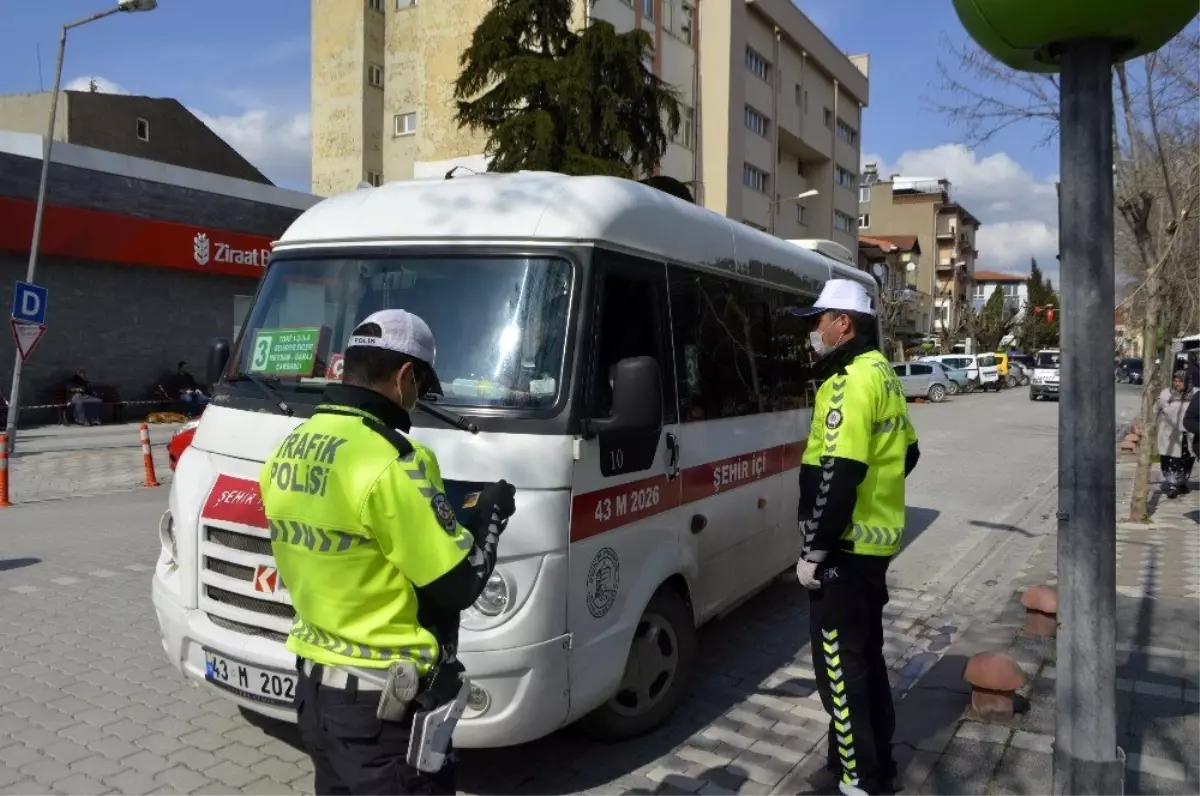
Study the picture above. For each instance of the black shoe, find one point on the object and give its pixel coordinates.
(1171, 492)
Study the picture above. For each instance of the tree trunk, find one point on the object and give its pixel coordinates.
(1140, 499)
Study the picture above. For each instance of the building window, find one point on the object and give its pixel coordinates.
(668, 13)
(864, 221)
(405, 3)
(827, 117)
(805, 108)
(846, 178)
(864, 194)
(757, 63)
(802, 215)
(981, 290)
(685, 25)
(843, 222)
(375, 75)
(755, 178)
(683, 136)
(375, 5)
(143, 130)
(1010, 291)
(799, 94)
(846, 133)
(404, 124)
(374, 178)
(648, 9)
(756, 122)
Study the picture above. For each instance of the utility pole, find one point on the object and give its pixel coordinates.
(14, 400)
(1086, 756)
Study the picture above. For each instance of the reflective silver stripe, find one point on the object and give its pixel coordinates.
(317, 637)
(312, 538)
(874, 535)
(891, 424)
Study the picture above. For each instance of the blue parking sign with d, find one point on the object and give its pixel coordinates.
(29, 303)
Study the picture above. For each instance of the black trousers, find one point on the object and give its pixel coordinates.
(355, 752)
(846, 626)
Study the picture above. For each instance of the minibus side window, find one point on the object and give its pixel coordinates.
(721, 329)
(791, 357)
(632, 322)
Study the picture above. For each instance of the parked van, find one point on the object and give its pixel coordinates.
(981, 368)
(1046, 369)
(645, 508)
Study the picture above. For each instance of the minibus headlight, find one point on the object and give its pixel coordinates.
(494, 599)
(166, 535)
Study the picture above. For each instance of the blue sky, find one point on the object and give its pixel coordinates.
(242, 65)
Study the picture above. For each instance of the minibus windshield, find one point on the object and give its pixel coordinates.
(499, 323)
(1048, 360)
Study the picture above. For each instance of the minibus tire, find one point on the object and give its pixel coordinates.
(608, 722)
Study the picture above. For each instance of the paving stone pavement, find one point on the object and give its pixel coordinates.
(943, 749)
(54, 463)
(1157, 559)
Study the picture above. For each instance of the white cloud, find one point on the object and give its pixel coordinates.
(1018, 212)
(275, 141)
(103, 85)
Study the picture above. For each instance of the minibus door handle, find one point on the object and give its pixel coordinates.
(672, 456)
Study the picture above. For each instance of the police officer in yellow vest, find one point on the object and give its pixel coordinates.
(861, 446)
(378, 569)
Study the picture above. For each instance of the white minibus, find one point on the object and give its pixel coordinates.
(645, 507)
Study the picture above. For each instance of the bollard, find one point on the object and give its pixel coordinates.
(147, 456)
(4, 470)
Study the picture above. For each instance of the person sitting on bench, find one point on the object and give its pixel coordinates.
(189, 392)
(85, 404)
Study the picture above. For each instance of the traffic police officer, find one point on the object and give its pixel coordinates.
(377, 565)
(861, 446)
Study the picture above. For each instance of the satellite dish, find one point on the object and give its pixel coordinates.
(912, 266)
(878, 270)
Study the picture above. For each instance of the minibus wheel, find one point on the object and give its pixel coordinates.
(657, 672)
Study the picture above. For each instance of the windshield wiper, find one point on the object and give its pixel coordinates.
(446, 416)
(265, 389)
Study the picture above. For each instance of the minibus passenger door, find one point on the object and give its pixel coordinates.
(625, 493)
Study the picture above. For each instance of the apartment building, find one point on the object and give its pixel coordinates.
(925, 207)
(771, 108)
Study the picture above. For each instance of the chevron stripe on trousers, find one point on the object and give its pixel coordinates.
(846, 633)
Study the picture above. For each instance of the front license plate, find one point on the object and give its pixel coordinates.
(259, 683)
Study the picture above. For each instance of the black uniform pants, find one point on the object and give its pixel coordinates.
(846, 626)
(352, 750)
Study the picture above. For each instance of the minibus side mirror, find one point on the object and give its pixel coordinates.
(637, 398)
(218, 358)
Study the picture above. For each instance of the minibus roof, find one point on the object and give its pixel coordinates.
(543, 208)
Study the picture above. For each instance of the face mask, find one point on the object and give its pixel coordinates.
(818, 343)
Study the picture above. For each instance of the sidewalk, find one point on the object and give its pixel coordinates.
(56, 462)
(941, 750)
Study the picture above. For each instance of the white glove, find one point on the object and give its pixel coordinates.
(806, 568)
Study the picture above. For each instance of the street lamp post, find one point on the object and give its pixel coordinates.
(14, 404)
(775, 203)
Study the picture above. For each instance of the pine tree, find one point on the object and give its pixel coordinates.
(551, 99)
(1037, 331)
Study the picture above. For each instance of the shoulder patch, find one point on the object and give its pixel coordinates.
(444, 513)
(833, 419)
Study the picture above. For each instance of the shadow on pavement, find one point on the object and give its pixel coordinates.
(916, 521)
(738, 653)
(1001, 526)
(7, 564)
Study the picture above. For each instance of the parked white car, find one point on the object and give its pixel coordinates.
(980, 367)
